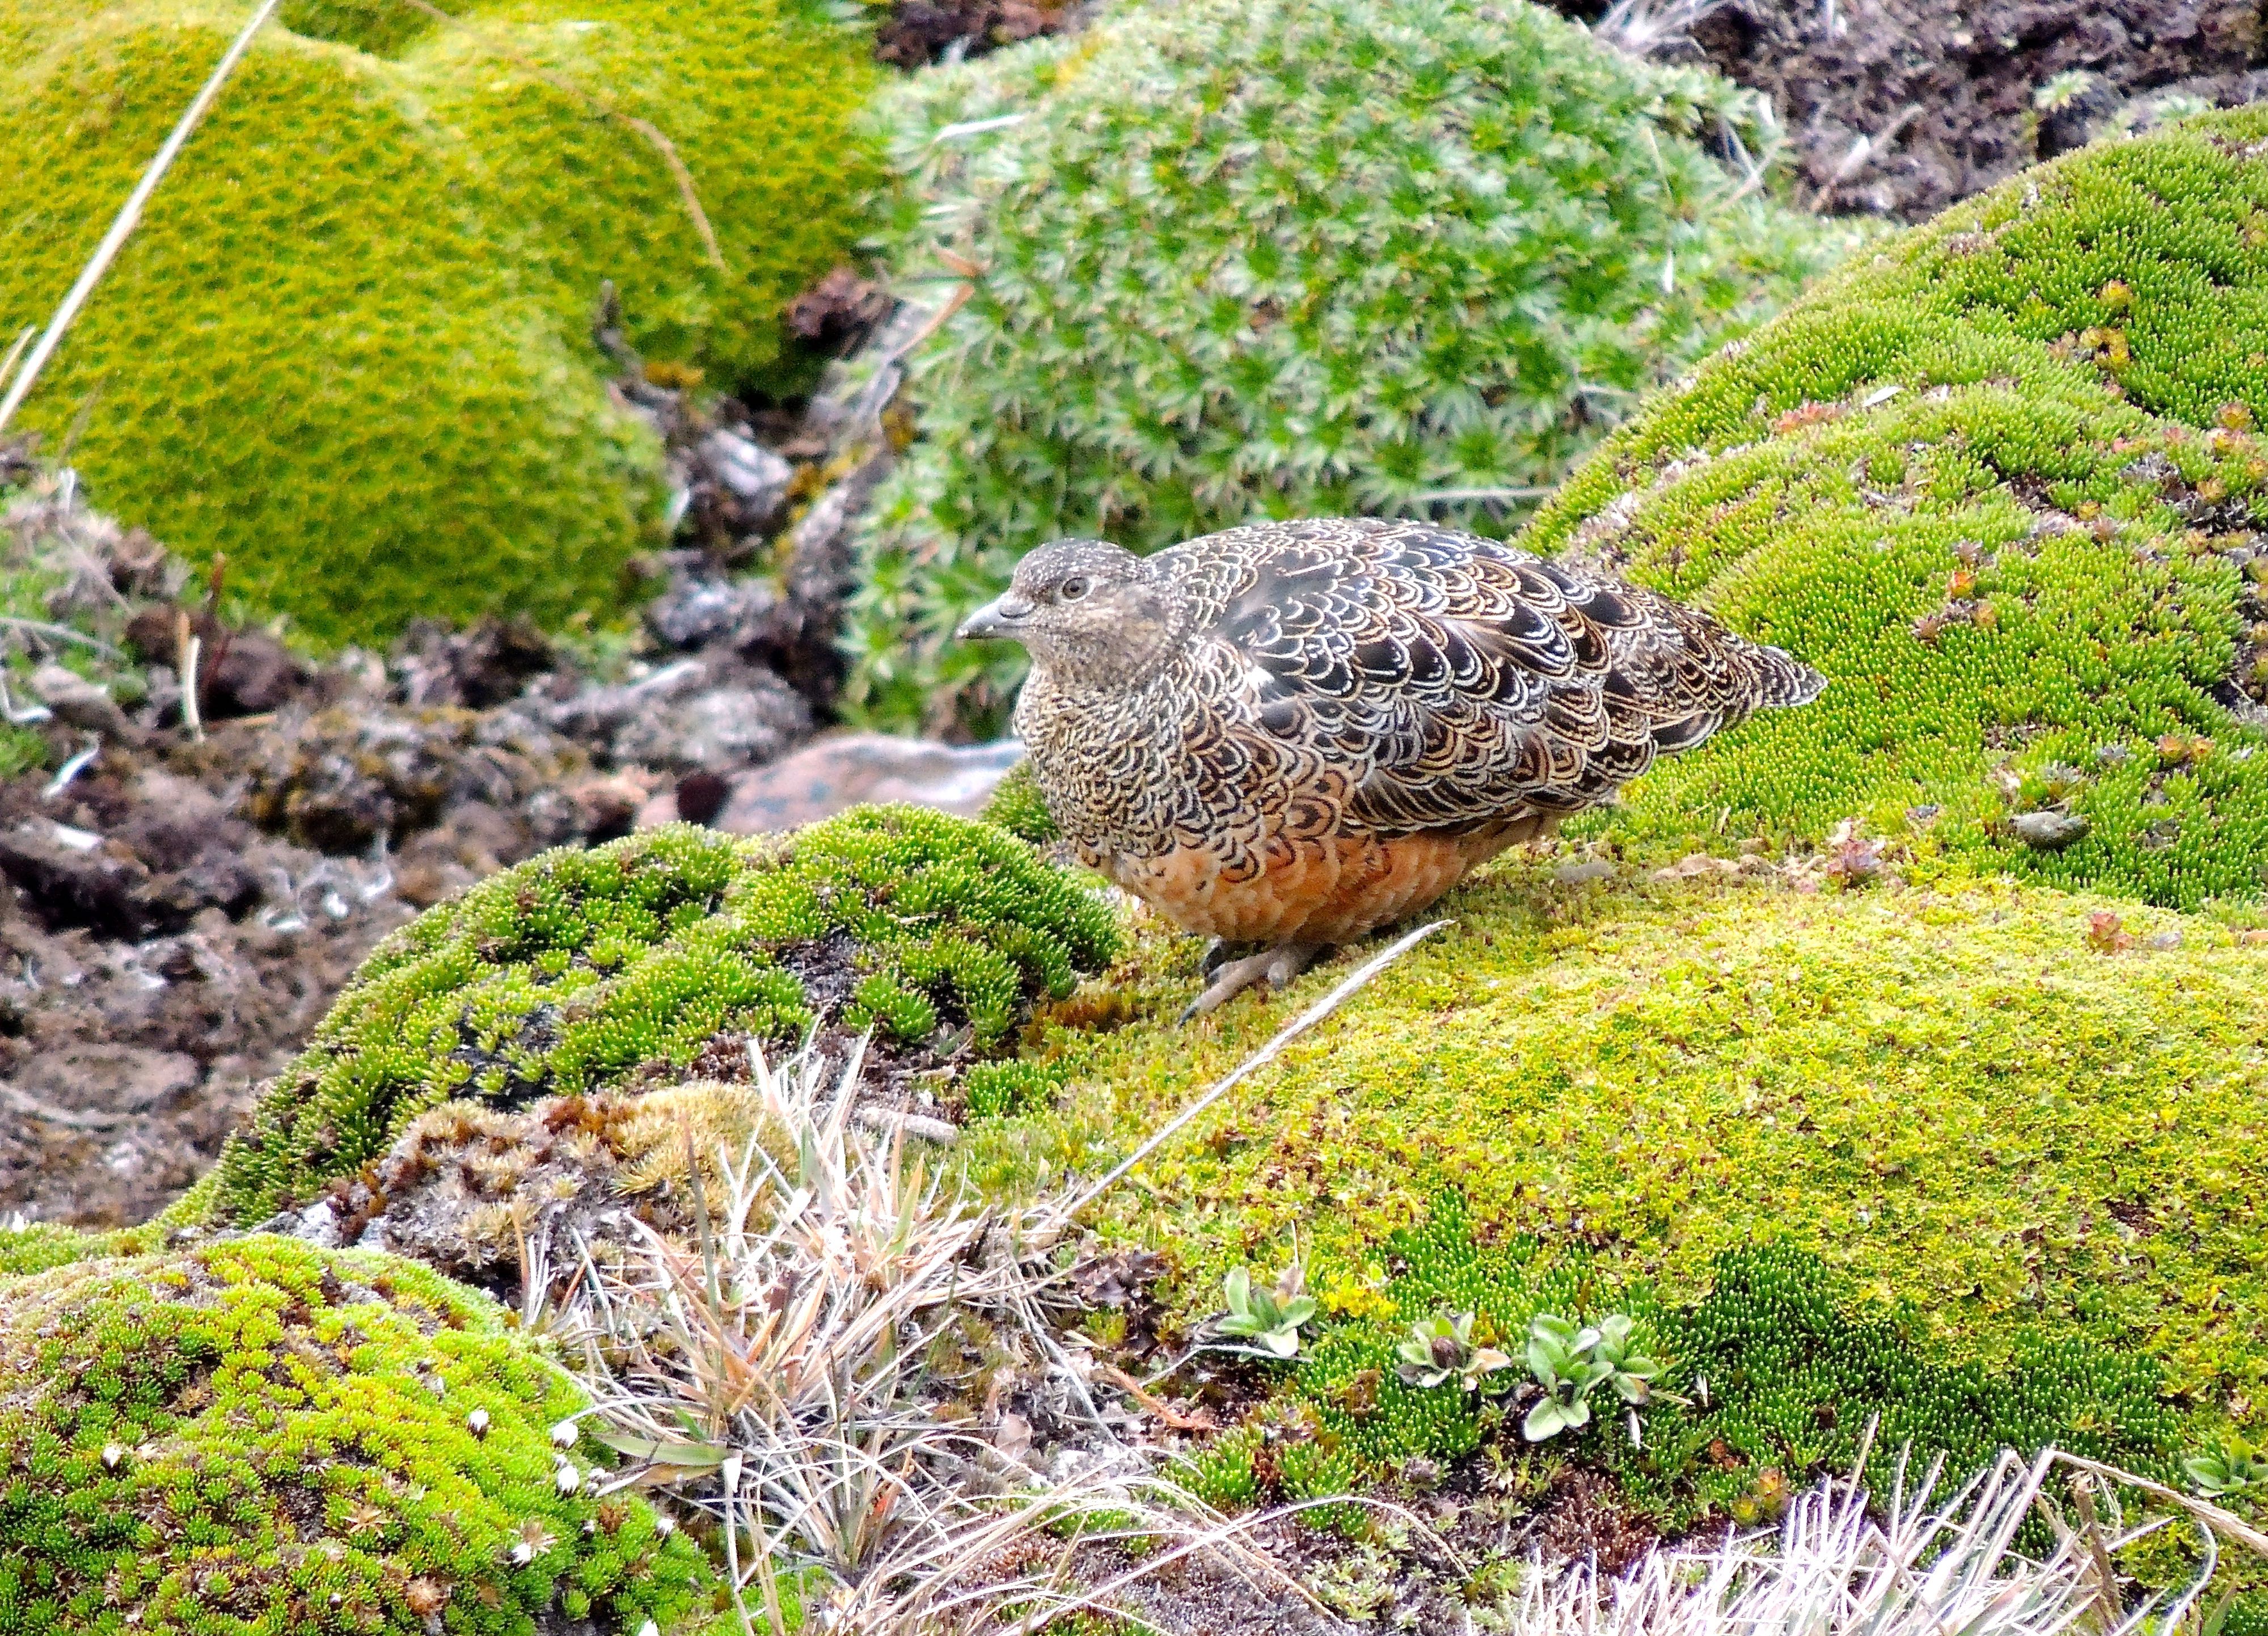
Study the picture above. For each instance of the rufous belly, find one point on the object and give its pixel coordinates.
(1325, 891)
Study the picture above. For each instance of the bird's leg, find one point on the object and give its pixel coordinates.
(1275, 966)
(1217, 955)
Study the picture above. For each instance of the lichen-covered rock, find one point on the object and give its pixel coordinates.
(2002, 482)
(259, 1436)
(573, 972)
(1238, 258)
(350, 345)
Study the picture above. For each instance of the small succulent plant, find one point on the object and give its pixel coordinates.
(2228, 1472)
(1268, 1315)
(1570, 1364)
(1440, 1349)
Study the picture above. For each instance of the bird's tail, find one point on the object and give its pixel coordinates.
(1782, 679)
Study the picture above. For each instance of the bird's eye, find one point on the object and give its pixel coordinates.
(1074, 588)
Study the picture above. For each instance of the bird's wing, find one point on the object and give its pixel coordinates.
(1458, 682)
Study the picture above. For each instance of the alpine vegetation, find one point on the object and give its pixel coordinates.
(1220, 261)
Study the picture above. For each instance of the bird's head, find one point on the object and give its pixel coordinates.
(1086, 612)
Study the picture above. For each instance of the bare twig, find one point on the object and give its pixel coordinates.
(1165, 1411)
(1431, 494)
(130, 214)
(645, 129)
(1258, 1060)
(61, 633)
(8, 364)
(889, 1120)
(1864, 152)
(190, 654)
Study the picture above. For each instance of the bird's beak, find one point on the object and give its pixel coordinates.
(1000, 617)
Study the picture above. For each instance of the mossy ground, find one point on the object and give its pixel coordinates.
(259, 1436)
(575, 970)
(1942, 1090)
(2001, 481)
(349, 346)
(1775, 1374)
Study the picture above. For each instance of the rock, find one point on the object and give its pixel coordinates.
(801, 637)
(754, 476)
(713, 713)
(105, 1083)
(716, 730)
(840, 310)
(490, 664)
(607, 805)
(244, 672)
(845, 769)
(472, 842)
(79, 702)
(695, 610)
(2048, 831)
(73, 877)
(255, 674)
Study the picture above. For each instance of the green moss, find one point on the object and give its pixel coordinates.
(1999, 481)
(1943, 1091)
(381, 27)
(575, 969)
(1018, 807)
(42, 1245)
(261, 1436)
(1792, 1370)
(348, 345)
(1001, 1090)
(1284, 258)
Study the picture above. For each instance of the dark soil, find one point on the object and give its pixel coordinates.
(1900, 107)
(179, 913)
(916, 32)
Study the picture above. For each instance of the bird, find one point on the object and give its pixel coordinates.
(1288, 734)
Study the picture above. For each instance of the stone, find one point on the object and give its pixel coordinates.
(754, 476)
(697, 609)
(845, 769)
(2048, 831)
(79, 702)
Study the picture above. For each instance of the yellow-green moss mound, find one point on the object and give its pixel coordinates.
(259, 1436)
(350, 345)
(575, 969)
(1949, 1093)
(2002, 482)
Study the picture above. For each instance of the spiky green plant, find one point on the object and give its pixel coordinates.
(1227, 259)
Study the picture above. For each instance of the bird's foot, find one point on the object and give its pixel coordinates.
(1275, 966)
(1218, 953)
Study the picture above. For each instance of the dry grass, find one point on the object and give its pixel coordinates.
(832, 1372)
(1916, 1564)
(1651, 28)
